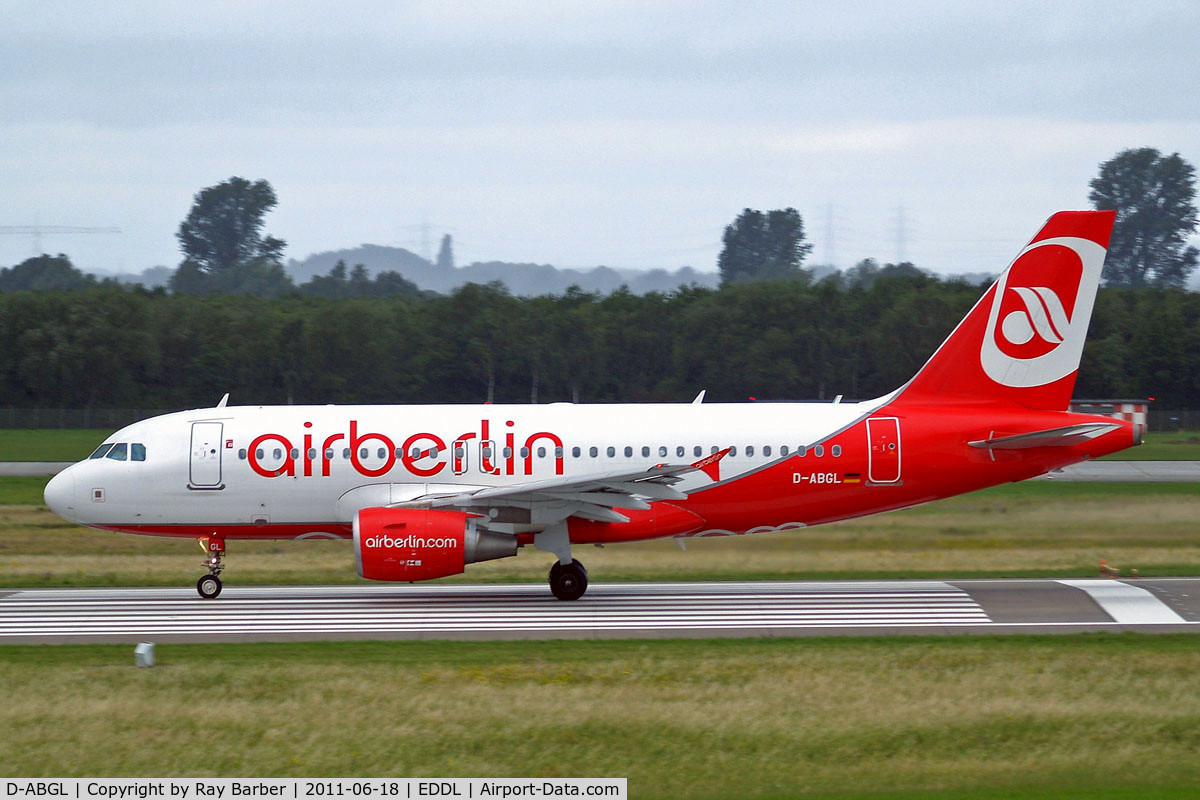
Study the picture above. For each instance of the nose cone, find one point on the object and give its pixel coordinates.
(60, 494)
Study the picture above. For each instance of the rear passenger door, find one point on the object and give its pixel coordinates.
(883, 437)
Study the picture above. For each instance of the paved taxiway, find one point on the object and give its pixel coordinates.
(614, 610)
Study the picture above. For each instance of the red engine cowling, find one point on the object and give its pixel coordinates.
(417, 544)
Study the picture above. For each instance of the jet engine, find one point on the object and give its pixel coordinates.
(417, 544)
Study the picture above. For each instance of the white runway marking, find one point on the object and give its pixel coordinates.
(529, 610)
(483, 609)
(1130, 605)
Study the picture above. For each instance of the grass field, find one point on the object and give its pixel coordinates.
(1041, 528)
(73, 445)
(1030, 717)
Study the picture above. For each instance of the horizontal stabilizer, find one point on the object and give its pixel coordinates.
(1052, 437)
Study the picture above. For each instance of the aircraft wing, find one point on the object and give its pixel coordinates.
(594, 497)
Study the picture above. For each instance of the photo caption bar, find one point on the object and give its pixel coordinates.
(305, 788)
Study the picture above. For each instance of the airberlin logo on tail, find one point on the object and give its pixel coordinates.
(1043, 318)
(1040, 312)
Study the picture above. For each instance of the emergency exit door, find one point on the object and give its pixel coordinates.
(883, 457)
(205, 471)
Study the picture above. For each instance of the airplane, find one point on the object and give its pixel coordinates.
(425, 490)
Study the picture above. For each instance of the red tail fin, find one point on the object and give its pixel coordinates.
(1023, 340)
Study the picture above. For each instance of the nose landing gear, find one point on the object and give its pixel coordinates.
(209, 586)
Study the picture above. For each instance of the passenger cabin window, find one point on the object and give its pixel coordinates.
(819, 451)
(767, 450)
(783, 450)
(697, 451)
(836, 450)
(628, 451)
(612, 452)
(278, 453)
(574, 452)
(662, 451)
(118, 452)
(137, 452)
(258, 453)
(749, 450)
(679, 451)
(101, 450)
(801, 451)
(558, 451)
(507, 452)
(345, 453)
(733, 451)
(593, 452)
(242, 454)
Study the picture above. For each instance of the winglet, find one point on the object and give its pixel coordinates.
(224, 400)
(711, 465)
(699, 398)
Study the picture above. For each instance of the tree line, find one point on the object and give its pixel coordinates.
(235, 322)
(784, 339)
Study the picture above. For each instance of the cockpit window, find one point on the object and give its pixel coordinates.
(118, 452)
(101, 450)
(137, 452)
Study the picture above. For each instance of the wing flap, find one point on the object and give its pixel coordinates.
(655, 491)
(593, 497)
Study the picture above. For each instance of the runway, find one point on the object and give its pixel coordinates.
(1129, 471)
(613, 610)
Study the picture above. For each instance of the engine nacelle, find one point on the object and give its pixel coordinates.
(417, 544)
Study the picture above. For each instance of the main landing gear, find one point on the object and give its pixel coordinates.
(209, 586)
(568, 581)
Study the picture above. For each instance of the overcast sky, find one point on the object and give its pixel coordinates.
(618, 133)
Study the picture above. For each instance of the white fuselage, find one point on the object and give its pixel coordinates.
(291, 464)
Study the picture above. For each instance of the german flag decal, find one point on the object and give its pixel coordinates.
(852, 477)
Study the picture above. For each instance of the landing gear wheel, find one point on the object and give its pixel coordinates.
(568, 581)
(209, 586)
(559, 567)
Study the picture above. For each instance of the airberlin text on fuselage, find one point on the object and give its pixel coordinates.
(421, 454)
